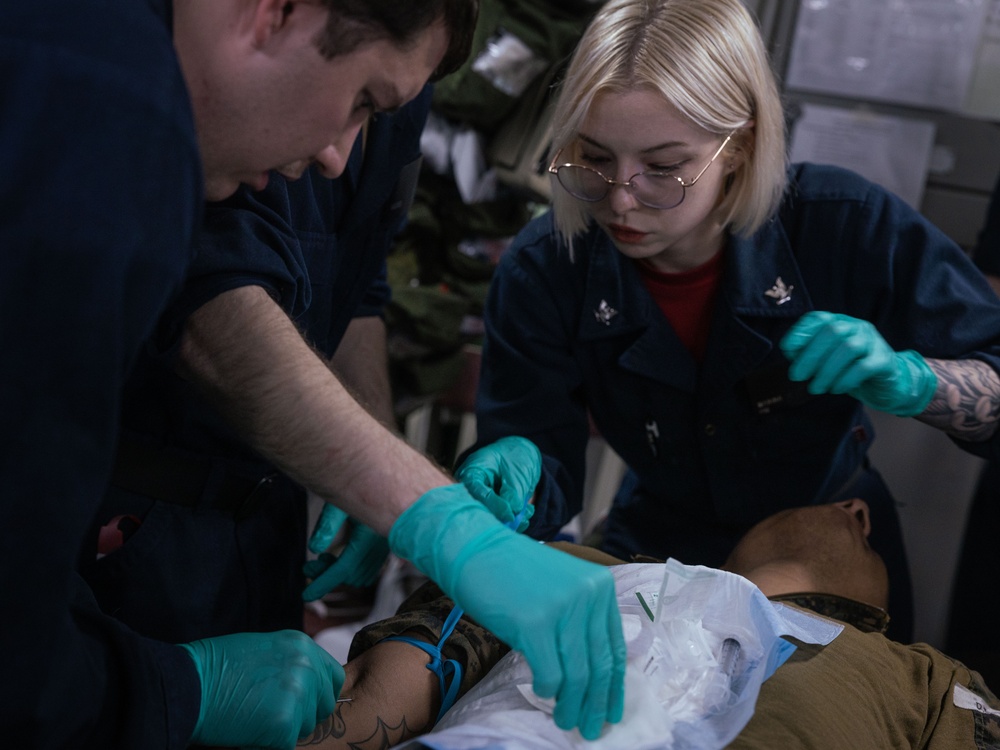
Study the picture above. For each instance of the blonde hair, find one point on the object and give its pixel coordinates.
(705, 57)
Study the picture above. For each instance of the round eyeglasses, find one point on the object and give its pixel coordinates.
(651, 189)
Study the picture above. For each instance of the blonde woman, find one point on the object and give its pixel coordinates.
(721, 315)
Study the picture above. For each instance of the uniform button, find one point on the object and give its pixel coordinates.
(710, 429)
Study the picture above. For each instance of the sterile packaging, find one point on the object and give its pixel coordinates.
(700, 644)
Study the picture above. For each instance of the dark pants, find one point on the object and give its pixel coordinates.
(196, 572)
(975, 610)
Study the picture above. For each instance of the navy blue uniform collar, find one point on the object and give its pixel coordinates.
(762, 276)
(761, 283)
(762, 279)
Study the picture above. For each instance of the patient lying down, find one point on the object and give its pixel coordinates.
(860, 690)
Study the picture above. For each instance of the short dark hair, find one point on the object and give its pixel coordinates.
(356, 22)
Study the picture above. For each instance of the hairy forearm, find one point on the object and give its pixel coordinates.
(362, 364)
(250, 361)
(966, 403)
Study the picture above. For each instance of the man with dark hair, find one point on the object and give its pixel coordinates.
(247, 357)
(119, 119)
(223, 519)
(352, 23)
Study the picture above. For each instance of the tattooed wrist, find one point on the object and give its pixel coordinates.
(966, 403)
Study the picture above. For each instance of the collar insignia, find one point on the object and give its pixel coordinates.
(604, 313)
(780, 292)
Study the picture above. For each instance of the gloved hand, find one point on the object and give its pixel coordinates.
(502, 476)
(262, 689)
(559, 611)
(841, 354)
(358, 565)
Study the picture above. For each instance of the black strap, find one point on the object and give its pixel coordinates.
(183, 478)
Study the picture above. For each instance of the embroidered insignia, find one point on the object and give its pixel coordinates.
(604, 313)
(780, 292)
(653, 436)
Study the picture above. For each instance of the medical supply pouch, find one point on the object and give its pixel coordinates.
(693, 675)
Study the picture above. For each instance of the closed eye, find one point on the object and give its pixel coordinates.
(594, 160)
(665, 168)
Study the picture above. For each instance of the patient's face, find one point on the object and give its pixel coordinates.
(825, 545)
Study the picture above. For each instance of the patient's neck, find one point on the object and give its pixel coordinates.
(789, 581)
(776, 578)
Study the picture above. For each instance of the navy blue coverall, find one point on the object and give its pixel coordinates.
(101, 192)
(221, 540)
(975, 609)
(715, 448)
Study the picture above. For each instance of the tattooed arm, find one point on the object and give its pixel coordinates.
(393, 697)
(966, 404)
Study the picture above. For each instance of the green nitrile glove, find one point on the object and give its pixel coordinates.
(502, 476)
(262, 689)
(841, 354)
(358, 565)
(559, 611)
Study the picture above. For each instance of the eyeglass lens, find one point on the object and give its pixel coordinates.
(653, 189)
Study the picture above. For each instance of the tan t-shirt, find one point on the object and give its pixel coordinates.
(866, 691)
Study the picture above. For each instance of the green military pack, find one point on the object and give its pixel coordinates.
(516, 41)
(441, 264)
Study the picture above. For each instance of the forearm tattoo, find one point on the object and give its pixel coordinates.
(966, 403)
(334, 727)
(331, 726)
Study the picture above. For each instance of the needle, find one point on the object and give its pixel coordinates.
(344, 700)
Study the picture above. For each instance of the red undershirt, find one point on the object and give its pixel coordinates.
(686, 299)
